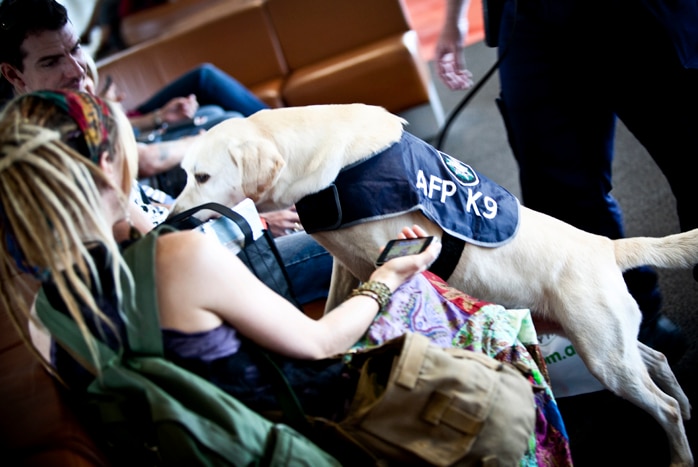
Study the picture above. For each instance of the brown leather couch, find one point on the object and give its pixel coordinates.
(152, 22)
(37, 427)
(288, 52)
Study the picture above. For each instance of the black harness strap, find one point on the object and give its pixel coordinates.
(451, 251)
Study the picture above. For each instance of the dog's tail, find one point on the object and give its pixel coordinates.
(678, 251)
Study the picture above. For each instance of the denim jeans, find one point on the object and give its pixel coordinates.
(211, 86)
(206, 118)
(308, 264)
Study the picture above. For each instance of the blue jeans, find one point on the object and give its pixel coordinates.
(308, 264)
(211, 87)
(571, 68)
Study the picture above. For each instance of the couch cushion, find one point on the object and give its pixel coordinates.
(254, 60)
(388, 73)
(154, 21)
(313, 30)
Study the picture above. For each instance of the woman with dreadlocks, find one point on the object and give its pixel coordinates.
(64, 169)
(65, 164)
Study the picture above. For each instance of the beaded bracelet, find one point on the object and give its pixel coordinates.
(376, 290)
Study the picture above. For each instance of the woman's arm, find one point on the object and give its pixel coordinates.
(201, 284)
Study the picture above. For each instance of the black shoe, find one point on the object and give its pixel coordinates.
(663, 335)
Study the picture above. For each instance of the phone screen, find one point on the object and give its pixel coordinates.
(403, 247)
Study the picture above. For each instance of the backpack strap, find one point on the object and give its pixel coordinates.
(143, 328)
(140, 312)
(141, 309)
(65, 330)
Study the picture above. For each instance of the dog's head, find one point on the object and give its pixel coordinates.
(230, 162)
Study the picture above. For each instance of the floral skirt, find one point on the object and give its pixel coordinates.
(450, 318)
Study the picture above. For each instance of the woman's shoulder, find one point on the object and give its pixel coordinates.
(186, 242)
(190, 249)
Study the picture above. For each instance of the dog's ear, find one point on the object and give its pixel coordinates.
(260, 164)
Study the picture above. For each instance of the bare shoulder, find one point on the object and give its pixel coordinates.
(187, 248)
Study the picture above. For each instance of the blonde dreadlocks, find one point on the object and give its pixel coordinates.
(50, 206)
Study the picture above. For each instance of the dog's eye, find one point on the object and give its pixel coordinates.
(201, 178)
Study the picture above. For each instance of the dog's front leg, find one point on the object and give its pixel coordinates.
(342, 283)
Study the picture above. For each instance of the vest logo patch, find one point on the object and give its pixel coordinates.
(465, 174)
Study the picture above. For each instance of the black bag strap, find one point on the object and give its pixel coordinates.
(186, 219)
(261, 256)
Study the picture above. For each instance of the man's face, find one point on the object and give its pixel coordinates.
(54, 60)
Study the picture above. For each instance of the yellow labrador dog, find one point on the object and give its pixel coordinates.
(568, 278)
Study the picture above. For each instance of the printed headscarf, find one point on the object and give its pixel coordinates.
(88, 112)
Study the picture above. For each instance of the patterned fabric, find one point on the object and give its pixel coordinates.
(156, 212)
(451, 318)
(155, 195)
(89, 114)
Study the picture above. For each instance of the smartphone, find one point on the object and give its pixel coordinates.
(403, 247)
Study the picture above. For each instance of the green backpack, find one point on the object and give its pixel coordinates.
(153, 412)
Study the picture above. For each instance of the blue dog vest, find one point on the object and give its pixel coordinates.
(412, 175)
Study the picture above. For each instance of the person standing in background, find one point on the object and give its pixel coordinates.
(569, 69)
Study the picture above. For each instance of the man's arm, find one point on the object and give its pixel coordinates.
(175, 111)
(147, 121)
(156, 158)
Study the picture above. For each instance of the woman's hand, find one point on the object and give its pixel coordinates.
(412, 232)
(399, 270)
